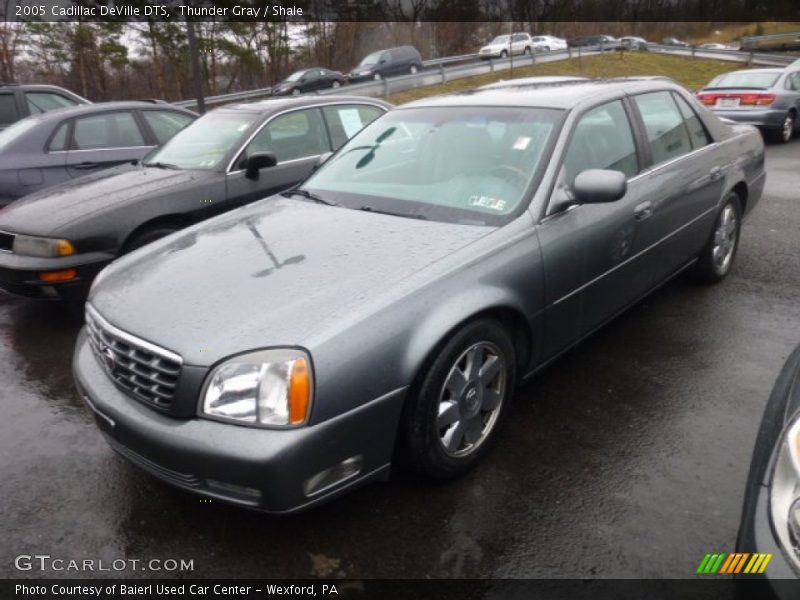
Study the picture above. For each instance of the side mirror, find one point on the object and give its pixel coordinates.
(258, 161)
(597, 186)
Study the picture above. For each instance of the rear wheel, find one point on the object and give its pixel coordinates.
(377, 77)
(716, 259)
(527, 50)
(295, 92)
(504, 54)
(148, 236)
(413, 69)
(335, 84)
(451, 421)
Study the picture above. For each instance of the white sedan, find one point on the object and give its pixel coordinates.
(548, 43)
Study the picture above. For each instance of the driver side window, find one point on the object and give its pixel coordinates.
(602, 139)
(295, 135)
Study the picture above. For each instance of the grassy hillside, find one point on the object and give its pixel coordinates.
(692, 73)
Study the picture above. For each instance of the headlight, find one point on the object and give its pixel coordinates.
(27, 245)
(265, 388)
(785, 493)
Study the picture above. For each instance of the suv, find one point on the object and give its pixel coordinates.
(20, 101)
(380, 64)
(502, 45)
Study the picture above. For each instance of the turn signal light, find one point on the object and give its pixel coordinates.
(55, 276)
(299, 391)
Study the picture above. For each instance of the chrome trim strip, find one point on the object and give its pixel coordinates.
(635, 256)
(136, 341)
(293, 109)
(100, 149)
(286, 162)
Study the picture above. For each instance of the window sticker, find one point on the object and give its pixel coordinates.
(522, 143)
(351, 121)
(488, 202)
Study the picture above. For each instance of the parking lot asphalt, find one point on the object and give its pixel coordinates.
(625, 458)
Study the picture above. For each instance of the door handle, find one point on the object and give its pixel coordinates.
(85, 165)
(715, 173)
(643, 211)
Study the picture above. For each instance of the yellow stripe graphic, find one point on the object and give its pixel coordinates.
(765, 563)
(756, 557)
(754, 567)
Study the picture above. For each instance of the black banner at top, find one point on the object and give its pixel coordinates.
(402, 10)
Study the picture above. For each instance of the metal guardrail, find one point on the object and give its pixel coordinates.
(789, 38)
(441, 70)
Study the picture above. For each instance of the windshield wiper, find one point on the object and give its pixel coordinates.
(372, 209)
(162, 165)
(309, 195)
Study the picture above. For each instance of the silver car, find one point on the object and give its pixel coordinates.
(286, 352)
(766, 98)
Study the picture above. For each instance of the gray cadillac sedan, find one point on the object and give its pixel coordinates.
(283, 353)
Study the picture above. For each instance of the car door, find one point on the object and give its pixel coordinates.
(686, 175)
(104, 140)
(792, 86)
(297, 138)
(596, 257)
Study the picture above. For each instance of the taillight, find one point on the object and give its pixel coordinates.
(756, 99)
(707, 99)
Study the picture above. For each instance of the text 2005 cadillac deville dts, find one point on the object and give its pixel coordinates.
(287, 351)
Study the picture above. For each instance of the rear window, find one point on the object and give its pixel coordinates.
(758, 80)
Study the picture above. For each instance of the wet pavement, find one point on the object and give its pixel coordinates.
(626, 458)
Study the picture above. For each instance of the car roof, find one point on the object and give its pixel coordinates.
(776, 71)
(532, 81)
(565, 94)
(84, 109)
(273, 105)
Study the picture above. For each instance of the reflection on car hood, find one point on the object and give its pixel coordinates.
(270, 273)
(47, 211)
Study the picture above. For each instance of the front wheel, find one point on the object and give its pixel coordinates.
(504, 54)
(377, 77)
(148, 236)
(451, 420)
(413, 69)
(295, 92)
(527, 50)
(785, 133)
(716, 259)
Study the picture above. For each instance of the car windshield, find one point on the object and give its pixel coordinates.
(372, 59)
(295, 76)
(755, 79)
(469, 165)
(16, 131)
(204, 143)
(500, 39)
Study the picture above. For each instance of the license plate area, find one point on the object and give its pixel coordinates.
(728, 102)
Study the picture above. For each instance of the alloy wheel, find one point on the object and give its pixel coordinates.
(725, 239)
(471, 399)
(788, 128)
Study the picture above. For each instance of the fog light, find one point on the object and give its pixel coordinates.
(228, 489)
(49, 291)
(334, 475)
(63, 275)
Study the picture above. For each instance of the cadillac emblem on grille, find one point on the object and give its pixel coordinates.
(109, 360)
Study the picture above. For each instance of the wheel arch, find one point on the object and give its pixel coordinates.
(178, 221)
(741, 190)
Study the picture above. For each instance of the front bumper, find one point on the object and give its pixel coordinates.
(756, 536)
(351, 78)
(765, 119)
(19, 275)
(197, 454)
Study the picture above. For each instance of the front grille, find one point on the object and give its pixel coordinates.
(143, 369)
(6, 241)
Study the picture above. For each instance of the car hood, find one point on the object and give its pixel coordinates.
(268, 274)
(49, 211)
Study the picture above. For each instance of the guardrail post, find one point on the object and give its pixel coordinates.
(443, 74)
(533, 58)
(569, 51)
(602, 49)
(694, 49)
(385, 87)
(491, 65)
(750, 59)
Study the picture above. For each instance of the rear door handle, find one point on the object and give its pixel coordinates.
(86, 165)
(715, 173)
(643, 211)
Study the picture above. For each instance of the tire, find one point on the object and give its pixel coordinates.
(716, 258)
(427, 427)
(504, 54)
(377, 77)
(784, 134)
(335, 84)
(527, 50)
(295, 92)
(546, 49)
(148, 236)
(413, 69)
